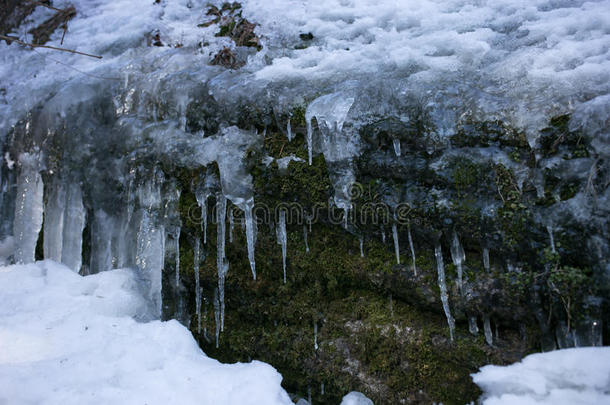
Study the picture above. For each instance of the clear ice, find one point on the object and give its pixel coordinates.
(458, 256)
(396, 246)
(282, 239)
(440, 267)
(412, 249)
(28, 208)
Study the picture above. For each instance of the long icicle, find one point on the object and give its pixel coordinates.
(440, 267)
(412, 248)
(222, 264)
(197, 284)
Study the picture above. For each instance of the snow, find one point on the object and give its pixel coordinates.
(517, 60)
(68, 339)
(356, 398)
(569, 376)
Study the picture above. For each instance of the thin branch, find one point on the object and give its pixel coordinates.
(13, 39)
(45, 5)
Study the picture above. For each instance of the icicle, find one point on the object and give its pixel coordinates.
(487, 329)
(221, 261)
(28, 209)
(345, 217)
(309, 141)
(412, 249)
(549, 229)
(231, 225)
(458, 256)
(250, 234)
(205, 316)
(289, 130)
(438, 253)
(54, 220)
(473, 328)
(202, 201)
(150, 254)
(382, 235)
(396, 246)
(101, 240)
(361, 247)
(305, 238)
(197, 284)
(176, 235)
(396, 143)
(391, 305)
(315, 336)
(74, 224)
(486, 264)
(330, 112)
(282, 239)
(321, 388)
(217, 315)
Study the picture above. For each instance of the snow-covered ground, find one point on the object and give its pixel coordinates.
(563, 377)
(521, 61)
(68, 339)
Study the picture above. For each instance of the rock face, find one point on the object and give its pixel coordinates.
(355, 236)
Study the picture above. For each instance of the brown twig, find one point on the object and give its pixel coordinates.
(13, 39)
(45, 5)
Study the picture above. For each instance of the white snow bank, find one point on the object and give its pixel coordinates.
(67, 339)
(514, 60)
(570, 377)
(356, 398)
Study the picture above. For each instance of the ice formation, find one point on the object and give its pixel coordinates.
(442, 284)
(282, 239)
(473, 328)
(28, 208)
(196, 257)
(305, 238)
(222, 264)
(487, 330)
(412, 249)
(486, 264)
(338, 145)
(458, 257)
(106, 135)
(396, 246)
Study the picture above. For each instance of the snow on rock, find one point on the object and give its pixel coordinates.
(356, 398)
(570, 377)
(68, 339)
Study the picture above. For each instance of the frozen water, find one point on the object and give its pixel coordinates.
(486, 264)
(396, 246)
(473, 328)
(487, 329)
(282, 239)
(28, 208)
(442, 284)
(305, 238)
(222, 264)
(458, 256)
(412, 249)
(196, 257)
